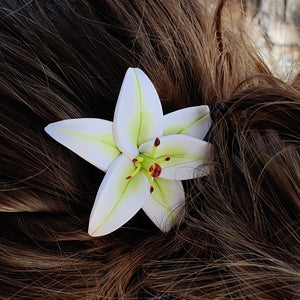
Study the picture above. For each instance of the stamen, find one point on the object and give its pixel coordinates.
(138, 168)
(150, 179)
(137, 159)
(155, 145)
(164, 159)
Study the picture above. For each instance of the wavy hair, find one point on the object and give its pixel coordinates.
(239, 238)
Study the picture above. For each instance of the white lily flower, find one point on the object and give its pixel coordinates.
(145, 155)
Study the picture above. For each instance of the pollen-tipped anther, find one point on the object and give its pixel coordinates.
(155, 145)
(151, 189)
(128, 177)
(156, 142)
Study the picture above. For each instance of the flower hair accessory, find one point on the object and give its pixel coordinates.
(145, 155)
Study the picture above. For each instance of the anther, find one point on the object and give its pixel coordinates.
(135, 160)
(156, 142)
(128, 177)
(151, 189)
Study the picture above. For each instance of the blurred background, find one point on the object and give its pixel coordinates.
(274, 25)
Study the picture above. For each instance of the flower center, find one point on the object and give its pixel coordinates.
(146, 163)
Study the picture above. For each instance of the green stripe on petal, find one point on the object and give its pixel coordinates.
(192, 121)
(118, 199)
(138, 114)
(166, 203)
(92, 139)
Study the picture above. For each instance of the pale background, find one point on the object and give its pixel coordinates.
(274, 25)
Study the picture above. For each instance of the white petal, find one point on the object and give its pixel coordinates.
(92, 139)
(118, 199)
(166, 203)
(193, 121)
(186, 154)
(138, 113)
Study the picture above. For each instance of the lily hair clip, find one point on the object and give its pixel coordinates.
(144, 153)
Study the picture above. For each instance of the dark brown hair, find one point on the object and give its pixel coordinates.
(239, 238)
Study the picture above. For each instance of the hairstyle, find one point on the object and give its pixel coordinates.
(239, 237)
